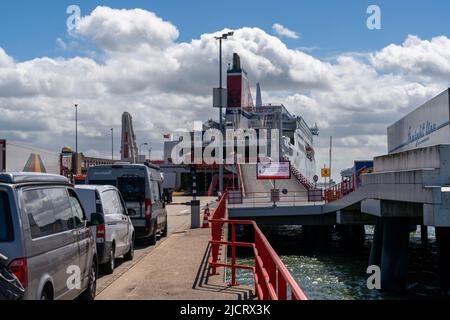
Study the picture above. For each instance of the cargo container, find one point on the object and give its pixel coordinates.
(15, 157)
(426, 126)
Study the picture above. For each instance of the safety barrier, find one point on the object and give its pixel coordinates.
(273, 280)
(344, 188)
(264, 199)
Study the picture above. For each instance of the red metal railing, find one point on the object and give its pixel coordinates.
(273, 280)
(344, 188)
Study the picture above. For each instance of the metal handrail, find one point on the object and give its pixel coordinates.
(344, 188)
(291, 198)
(271, 276)
(300, 177)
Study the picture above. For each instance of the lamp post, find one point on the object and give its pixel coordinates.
(222, 37)
(76, 128)
(150, 154)
(331, 146)
(112, 144)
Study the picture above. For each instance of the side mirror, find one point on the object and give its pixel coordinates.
(96, 219)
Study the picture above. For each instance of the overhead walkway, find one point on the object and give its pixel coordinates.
(414, 184)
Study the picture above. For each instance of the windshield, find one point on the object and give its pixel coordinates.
(5, 218)
(132, 188)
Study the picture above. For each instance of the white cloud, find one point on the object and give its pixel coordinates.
(5, 60)
(416, 57)
(165, 84)
(282, 31)
(122, 30)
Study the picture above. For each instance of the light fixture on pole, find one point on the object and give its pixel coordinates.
(222, 37)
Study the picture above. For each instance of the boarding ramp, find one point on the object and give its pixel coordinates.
(258, 192)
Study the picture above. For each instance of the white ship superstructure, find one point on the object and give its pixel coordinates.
(297, 138)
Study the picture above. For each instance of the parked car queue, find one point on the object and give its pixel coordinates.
(54, 237)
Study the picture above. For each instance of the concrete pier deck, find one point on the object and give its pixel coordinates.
(176, 269)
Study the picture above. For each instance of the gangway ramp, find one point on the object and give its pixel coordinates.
(253, 185)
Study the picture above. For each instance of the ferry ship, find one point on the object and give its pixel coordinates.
(296, 139)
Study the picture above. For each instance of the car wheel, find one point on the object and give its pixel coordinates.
(152, 238)
(45, 295)
(89, 293)
(130, 254)
(164, 232)
(108, 267)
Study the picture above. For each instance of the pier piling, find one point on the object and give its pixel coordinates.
(377, 244)
(394, 257)
(443, 240)
(424, 236)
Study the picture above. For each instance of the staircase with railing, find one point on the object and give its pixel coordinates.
(300, 177)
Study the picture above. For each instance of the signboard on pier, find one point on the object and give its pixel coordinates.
(273, 170)
(326, 173)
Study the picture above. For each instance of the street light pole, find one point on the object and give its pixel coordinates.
(220, 117)
(76, 128)
(223, 37)
(112, 144)
(150, 154)
(331, 146)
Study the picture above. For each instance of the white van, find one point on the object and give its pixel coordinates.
(45, 236)
(115, 238)
(141, 188)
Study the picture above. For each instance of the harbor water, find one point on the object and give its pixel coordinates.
(339, 272)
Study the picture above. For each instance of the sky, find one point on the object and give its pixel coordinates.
(157, 60)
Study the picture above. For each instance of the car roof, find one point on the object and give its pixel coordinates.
(94, 187)
(32, 177)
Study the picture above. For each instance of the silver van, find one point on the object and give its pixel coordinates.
(45, 237)
(115, 237)
(141, 188)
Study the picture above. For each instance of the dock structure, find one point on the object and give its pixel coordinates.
(201, 264)
(409, 186)
(406, 188)
(176, 270)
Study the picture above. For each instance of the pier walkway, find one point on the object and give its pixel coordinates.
(176, 269)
